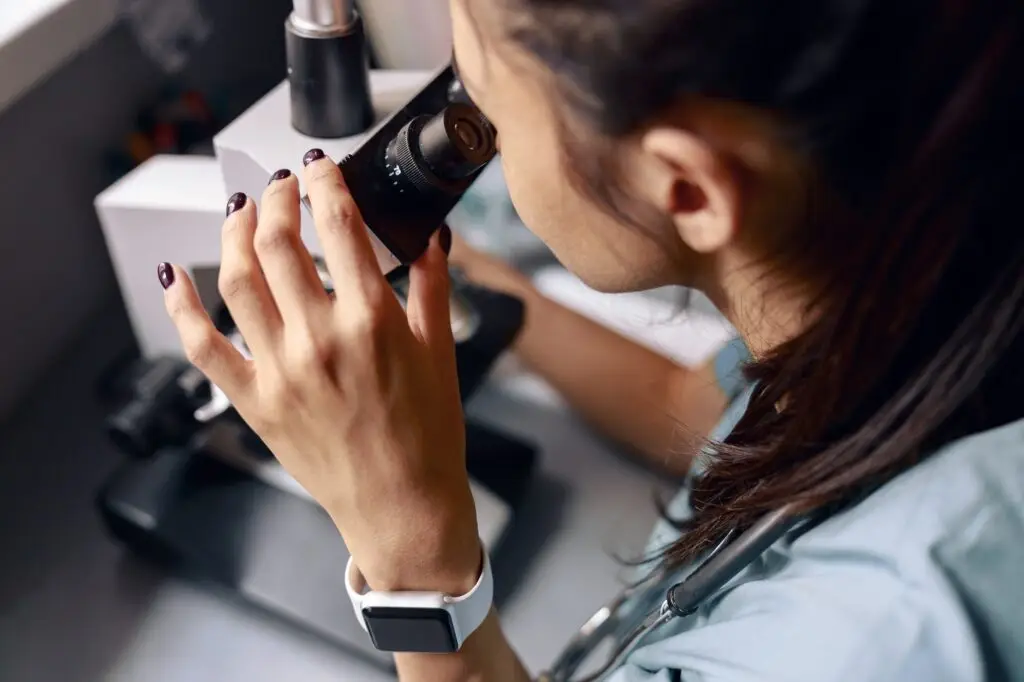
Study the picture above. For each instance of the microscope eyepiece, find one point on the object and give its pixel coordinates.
(456, 142)
(409, 173)
(327, 69)
(439, 153)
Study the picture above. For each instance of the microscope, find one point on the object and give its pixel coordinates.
(199, 492)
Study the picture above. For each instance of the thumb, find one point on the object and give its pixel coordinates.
(428, 304)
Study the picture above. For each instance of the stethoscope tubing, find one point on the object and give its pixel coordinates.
(727, 560)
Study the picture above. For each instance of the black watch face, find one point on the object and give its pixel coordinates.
(427, 631)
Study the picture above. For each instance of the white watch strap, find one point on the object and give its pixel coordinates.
(467, 612)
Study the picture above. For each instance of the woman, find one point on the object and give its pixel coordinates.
(840, 178)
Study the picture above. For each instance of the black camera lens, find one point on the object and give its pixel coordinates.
(442, 152)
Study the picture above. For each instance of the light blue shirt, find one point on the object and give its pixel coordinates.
(921, 582)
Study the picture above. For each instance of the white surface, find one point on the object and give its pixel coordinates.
(37, 36)
(169, 209)
(169, 183)
(409, 34)
(262, 140)
(690, 337)
(264, 133)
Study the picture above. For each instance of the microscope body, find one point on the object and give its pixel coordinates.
(198, 492)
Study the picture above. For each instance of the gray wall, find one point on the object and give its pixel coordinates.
(54, 269)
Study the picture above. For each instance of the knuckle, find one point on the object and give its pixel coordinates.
(380, 297)
(273, 236)
(236, 281)
(274, 189)
(325, 174)
(340, 212)
(179, 310)
(201, 349)
(365, 323)
(236, 224)
(275, 397)
(310, 357)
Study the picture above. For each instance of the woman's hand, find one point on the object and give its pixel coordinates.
(356, 397)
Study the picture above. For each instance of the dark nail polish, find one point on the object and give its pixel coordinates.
(236, 202)
(312, 155)
(165, 273)
(445, 238)
(280, 175)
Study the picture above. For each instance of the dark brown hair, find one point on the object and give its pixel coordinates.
(911, 112)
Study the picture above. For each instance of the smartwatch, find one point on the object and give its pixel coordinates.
(420, 622)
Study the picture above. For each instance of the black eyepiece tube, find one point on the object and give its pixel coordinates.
(457, 142)
(328, 70)
(440, 153)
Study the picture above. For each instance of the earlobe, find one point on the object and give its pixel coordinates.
(699, 190)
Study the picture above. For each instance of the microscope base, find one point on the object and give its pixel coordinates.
(279, 552)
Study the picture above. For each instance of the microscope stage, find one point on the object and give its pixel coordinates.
(225, 443)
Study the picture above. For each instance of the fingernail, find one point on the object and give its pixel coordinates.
(445, 238)
(236, 202)
(280, 175)
(165, 273)
(312, 155)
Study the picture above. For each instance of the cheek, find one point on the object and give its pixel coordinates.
(545, 201)
(602, 251)
(535, 183)
(531, 158)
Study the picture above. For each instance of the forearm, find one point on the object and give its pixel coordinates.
(629, 393)
(485, 657)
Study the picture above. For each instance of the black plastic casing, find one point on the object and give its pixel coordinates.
(402, 220)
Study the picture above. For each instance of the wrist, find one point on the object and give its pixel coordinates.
(455, 573)
(421, 621)
(443, 557)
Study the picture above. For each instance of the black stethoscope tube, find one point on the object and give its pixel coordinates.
(682, 599)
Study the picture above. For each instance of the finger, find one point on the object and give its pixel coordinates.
(204, 346)
(241, 282)
(428, 308)
(287, 265)
(347, 250)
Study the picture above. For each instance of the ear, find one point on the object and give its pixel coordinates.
(696, 186)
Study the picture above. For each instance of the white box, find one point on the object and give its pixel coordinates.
(170, 208)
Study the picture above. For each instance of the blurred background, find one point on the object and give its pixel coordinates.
(124, 126)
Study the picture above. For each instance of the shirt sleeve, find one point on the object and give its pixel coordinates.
(854, 624)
